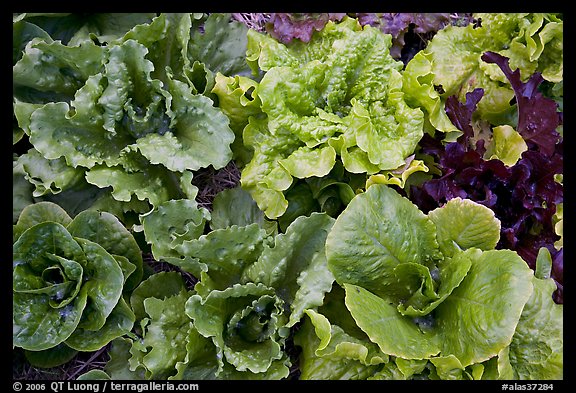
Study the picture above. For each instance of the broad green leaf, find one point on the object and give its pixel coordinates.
(52, 357)
(221, 45)
(377, 231)
(37, 213)
(22, 33)
(537, 347)
(507, 145)
(431, 287)
(306, 162)
(37, 326)
(118, 323)
(109, 232)
(396, 335)
(235, 206)
(480, 316)
(104, 286)
(462, 224)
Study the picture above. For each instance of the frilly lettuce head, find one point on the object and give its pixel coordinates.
(433, 294)
(69, 278)
(335, 98)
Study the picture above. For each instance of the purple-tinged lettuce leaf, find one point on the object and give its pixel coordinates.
(461, 113)
(286, 27)
(398, 24)
(538, 116)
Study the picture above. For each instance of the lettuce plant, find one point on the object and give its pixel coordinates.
(335, 98)
(130, 113)
(254, 287)
(70, 277)
(433, 294)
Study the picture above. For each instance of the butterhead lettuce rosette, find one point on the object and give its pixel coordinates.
(431, 291)
(337, 97)
(69, 279)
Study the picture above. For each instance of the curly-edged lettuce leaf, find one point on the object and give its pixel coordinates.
(238, 100)
(137, 179)
(399, 176)
(132, 110)
(220, 257)
(172, 223)
(164, 340)
(418, 86)
(335, 96)
(52, 71)
(200, 137)
(48, 176)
